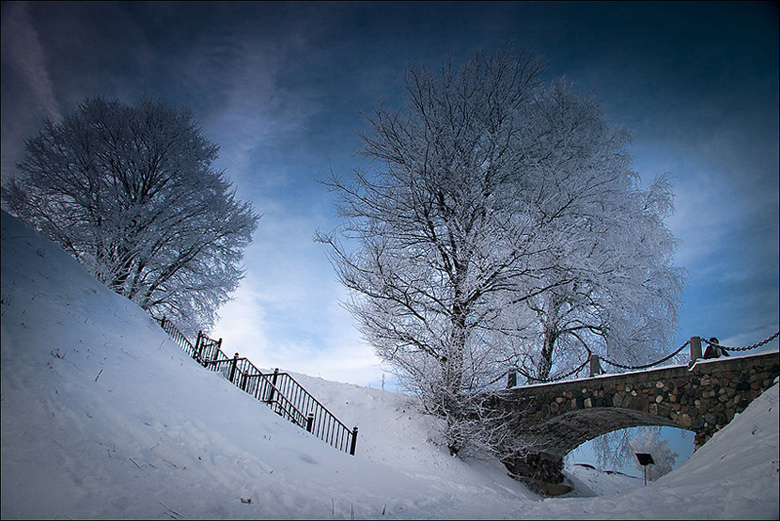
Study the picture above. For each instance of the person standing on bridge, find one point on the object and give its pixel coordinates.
(714, 350)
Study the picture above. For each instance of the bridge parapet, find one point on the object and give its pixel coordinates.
(558, 417)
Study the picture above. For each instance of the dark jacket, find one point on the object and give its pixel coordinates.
(714, 352)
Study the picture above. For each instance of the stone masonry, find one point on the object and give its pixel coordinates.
(556, 418)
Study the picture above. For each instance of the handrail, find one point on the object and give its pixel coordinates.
(176, 335)
(309, 395)
(278, 390)
(296, 416)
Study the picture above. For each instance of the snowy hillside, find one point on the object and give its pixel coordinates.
(104, 417)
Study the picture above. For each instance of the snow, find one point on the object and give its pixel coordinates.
(103, 416)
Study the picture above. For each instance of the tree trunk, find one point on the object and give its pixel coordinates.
(453, 374)
(545, 364)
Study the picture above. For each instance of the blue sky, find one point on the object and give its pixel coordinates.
(279, 86)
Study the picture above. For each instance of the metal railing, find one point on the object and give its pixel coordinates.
(279, 390)
(176, 335)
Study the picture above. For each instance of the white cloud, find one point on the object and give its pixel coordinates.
(309, 335)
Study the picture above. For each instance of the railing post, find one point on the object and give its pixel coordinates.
(695, 348)
(310, 421)
(273, 385)
(233, 368)
(162, 324)
(199, 347)
(354, 441)
(595, 366)
(511, 378)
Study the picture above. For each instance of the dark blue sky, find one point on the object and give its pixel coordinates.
(279, 87)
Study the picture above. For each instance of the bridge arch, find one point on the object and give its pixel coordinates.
(570, 430)
(669, 446)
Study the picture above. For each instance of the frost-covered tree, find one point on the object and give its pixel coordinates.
(441, 248)
(131, 193)
(649, 440)
(621, 295)
(495, 230)
(612, 287)
(617, 448)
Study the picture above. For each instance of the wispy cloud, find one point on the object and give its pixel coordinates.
(27, 92)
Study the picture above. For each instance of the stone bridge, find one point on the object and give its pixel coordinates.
(555, 418)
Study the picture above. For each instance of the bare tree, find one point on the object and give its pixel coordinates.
(130, 192)
(491, 211)
(649, 440)
(618, 448)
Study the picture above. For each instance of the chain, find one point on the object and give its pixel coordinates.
(664, 359)
(746, 348)
(646, 366)
(561, 376)
(543, 380)
(497, 378)
(575, 370)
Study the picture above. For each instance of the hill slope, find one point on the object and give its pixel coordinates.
(104, 417)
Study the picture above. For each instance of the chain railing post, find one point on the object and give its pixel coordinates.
(695, 348)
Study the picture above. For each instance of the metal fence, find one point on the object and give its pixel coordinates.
(176, 335)
(279, 390)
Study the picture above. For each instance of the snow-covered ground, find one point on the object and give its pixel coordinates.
(104, 417)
